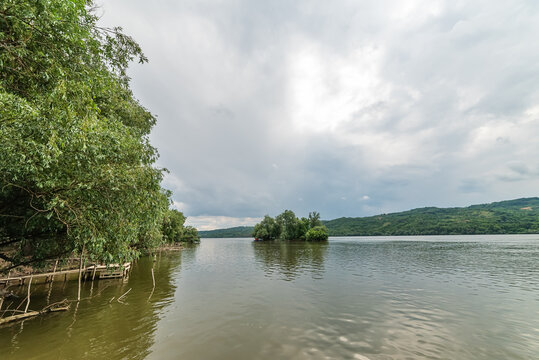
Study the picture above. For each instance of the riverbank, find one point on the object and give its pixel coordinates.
(60, 272)
(170, 247)
(70, 267)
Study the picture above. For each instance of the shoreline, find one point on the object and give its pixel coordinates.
(71, 266)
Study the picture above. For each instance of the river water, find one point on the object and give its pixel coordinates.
(447, 297)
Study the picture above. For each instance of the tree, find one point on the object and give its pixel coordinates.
(267, 229)
(314, 219)
(291, 225)
(173, 229)
(190, 235)
(286, 226)
(76, 167)
(317, 233)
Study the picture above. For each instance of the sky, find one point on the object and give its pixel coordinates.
(348, 108)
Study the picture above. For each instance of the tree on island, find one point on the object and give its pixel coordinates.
(267, 229)
(287, 226)
(317, 233)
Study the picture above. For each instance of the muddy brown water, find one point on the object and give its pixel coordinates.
(450, 297)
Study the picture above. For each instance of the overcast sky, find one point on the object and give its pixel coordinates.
(349, 108)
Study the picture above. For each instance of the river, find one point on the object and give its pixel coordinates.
(435, 297)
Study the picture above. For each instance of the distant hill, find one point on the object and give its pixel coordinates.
(238, 231)
(520, 216)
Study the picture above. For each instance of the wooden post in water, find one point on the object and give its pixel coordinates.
(7, 285)
(85, 277)
(153, 288)
(28, 297)
(80, 271)
(95, 269)
(54, 270)
(51, 281)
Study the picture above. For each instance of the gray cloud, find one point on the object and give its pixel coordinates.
(349, 108)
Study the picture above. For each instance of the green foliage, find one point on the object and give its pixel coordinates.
(173, 228)
(314, 219)
(190, 235)
(267, 229)
(520, 216)
(233, 232)
(317, 233)
(286, 226)
(292, 227)
(76, 167)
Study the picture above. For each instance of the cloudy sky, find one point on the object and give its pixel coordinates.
(350, 108)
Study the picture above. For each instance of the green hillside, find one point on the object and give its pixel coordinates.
(520, 216)
(238, 231)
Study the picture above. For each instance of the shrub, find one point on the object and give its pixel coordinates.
(317, 233)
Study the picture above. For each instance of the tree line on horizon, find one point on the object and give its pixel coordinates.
(77, 170)
(519, 216)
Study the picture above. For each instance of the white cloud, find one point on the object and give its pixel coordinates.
(181, 206)
(327, 89)
(219, 222)
(261, 104)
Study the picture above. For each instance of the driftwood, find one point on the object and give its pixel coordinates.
(60, 306)
(121, 297)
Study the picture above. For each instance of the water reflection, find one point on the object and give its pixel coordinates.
(291, 258)
(99, 327)
(347, 299)
(504, 264)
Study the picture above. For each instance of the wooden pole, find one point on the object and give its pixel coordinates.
(54, 270)
(51, 281)
(30, 314)
(80, 271)
(93, 277)
(121, 297)
(28, 297)
(153, 289)
(85, 277)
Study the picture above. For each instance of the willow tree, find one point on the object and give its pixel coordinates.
(76, 167)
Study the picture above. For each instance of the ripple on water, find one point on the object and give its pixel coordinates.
(350, 299)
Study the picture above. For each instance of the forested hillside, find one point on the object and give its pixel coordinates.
(520, 216)
(233, 232)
